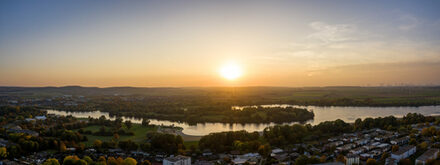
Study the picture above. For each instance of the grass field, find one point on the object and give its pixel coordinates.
(139, 134)
(188, 144)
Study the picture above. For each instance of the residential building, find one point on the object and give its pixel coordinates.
(351, 159)
(400, 141)
(177, 160)
(428, 155)
(390, 161)
(330, 163)
(40, 117)
(403, 152)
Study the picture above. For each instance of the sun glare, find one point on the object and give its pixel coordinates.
(231, 71)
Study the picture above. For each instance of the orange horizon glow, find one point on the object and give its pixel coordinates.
(175, 44)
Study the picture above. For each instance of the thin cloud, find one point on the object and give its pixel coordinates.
(409, 22)
(332, 33)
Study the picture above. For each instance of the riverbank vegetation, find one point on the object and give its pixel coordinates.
(200, 105)
(288, 135)
(202, 114)
(66, 135)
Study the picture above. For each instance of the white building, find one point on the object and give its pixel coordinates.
(351, 159)
(239, 160)
(40, 117)
(403, 152)
(431, 154)
(177, 160)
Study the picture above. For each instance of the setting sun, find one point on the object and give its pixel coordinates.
(231, 71)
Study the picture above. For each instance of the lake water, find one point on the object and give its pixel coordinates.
(348, 114)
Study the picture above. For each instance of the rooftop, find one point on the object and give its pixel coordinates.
(428, 154)
(403, 149)
(176, 158)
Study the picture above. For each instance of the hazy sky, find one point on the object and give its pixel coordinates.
(185, 43)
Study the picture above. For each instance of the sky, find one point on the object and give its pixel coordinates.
(186, 43)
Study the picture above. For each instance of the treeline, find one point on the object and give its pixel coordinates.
(228, 141)
(285, 135)
(86, 160)
(368, 102)
(155, 142)
(199, 112)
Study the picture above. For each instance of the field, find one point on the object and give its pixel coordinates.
(345, 95)
(188, 144)
(139, 134)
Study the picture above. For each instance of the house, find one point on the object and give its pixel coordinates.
(40, 117)
(203, 162)
(207, 152)
(277, 151)
(403, 152)
(281, 157)
(29, 119)
(369, 147)
(428, 155)
(235, 152)
(238, 160)
(362, 142)
(330, 163)
(400, 141)
(390, 161)
(345, 147)
(177, 160)
(5, 143)
(351, 159)
(357, 151)
(365, 156)
(332, 139)
(336, 144)
(383, 145)
(375, 143)
(25, 131)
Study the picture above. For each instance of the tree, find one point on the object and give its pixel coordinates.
(128, 124)
(264, 150)
(71, 160)
(145, 122)
(115, 137)
(87, 159)
(129, 161)
(63, 147)
(97, 144)
(395, 148)
(323, 159)
(101, 161)
(423, 145)
(405, 162)
(146, 147)
(3, 152)
(371, 161)
(145, 162)
(301, 160)
(384, 156)
(112, 161)
(340, 158)
(51, 161)
(128, 145)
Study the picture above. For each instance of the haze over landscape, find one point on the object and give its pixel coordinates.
(184, 43)
(220, 82)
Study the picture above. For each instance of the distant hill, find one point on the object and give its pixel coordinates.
(303, 92)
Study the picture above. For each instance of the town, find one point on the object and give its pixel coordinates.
(30, 136)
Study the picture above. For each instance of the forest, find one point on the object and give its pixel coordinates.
(288, 135)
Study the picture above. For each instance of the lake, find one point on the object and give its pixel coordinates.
(348, 114)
